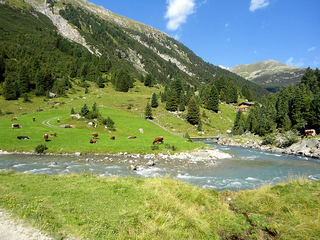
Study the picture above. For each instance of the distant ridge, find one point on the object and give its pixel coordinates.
(270, 74)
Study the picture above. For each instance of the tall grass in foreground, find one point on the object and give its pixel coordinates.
(91, 207)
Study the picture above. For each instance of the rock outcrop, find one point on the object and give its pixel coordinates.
(305, 147)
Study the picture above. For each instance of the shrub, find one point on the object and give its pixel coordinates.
(41, 148)
(155, 147)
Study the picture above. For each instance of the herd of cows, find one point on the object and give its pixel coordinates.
(93, 139)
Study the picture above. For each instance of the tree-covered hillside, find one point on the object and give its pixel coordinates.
(138, 51)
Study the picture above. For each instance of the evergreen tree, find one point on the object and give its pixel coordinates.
(239, 124)
(110, 124)
(24, 80)
(315, 109)
(148, 80)
(72, 111)
(172, 102)
(100, 82)
(199, 126)
(148, 112)
(212, 100)
(84, 111)
(182, 107)
(193, 114)
(10, 88)
(154, 101)
(86, 90)
(247, 93)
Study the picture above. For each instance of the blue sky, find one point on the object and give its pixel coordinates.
(231, 32)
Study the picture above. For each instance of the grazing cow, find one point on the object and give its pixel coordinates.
(14, 119)
(15, 125)
(46, 137)
(23, 137)
(93, 141)
(53, 134)
(158, 140)
(33, 119)
(132, 137)
(113, 138)
(58, 120)
(310, 132)
(95, 135)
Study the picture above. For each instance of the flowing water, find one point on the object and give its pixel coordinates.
(246, 168)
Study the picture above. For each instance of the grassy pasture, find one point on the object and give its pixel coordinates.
(89, 207)
(76, 139)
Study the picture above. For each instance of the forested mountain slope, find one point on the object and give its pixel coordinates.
(102, 43)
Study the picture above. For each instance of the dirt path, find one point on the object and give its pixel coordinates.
(12, 229)
(48, 124)
(176, 134)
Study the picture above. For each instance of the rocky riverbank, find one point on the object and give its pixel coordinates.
(305, 147)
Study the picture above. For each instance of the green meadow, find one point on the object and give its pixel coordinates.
(125, 109)
(90, 207)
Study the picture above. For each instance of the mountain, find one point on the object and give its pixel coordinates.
(270, 74)
(118, 41)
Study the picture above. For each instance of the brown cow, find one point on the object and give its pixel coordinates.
(113, 138)
(158, 140)
(95, 135)
(93, 141)
(46, 137)
(132, 137)
(14, 119)
(53, 134)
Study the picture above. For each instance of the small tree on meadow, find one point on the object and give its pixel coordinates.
(193, 115)
(154, 101)
(148, 112)
(84, 110)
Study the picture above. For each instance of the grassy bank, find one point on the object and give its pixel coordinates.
(76, 139)
(128, 208)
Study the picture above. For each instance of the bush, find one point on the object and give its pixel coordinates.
(269, 139)
(155, 147)
(282, 140)
(41, 148)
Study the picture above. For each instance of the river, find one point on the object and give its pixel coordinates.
(246, 169)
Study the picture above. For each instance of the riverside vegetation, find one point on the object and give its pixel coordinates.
(91, 207)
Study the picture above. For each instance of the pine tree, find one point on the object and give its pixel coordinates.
(72, 111)
(247, 93)
(239, 124)
(84, 111)
(148, 112)
(154, 101)
(24, 80)
(10, 88)
(148, 80)
(193, 115)
(212, 100)
(172, 102)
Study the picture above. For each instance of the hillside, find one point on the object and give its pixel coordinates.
(126, 43)
(270, 74)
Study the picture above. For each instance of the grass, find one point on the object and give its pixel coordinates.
(285, 211)
(91, 207)
(76, 139)
(111, 103)
(118, 208)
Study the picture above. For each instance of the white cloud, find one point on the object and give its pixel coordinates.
(290, 61)
(312, 49)
(257, 4)
(178, 11)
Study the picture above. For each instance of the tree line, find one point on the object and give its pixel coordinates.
(293, 107)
